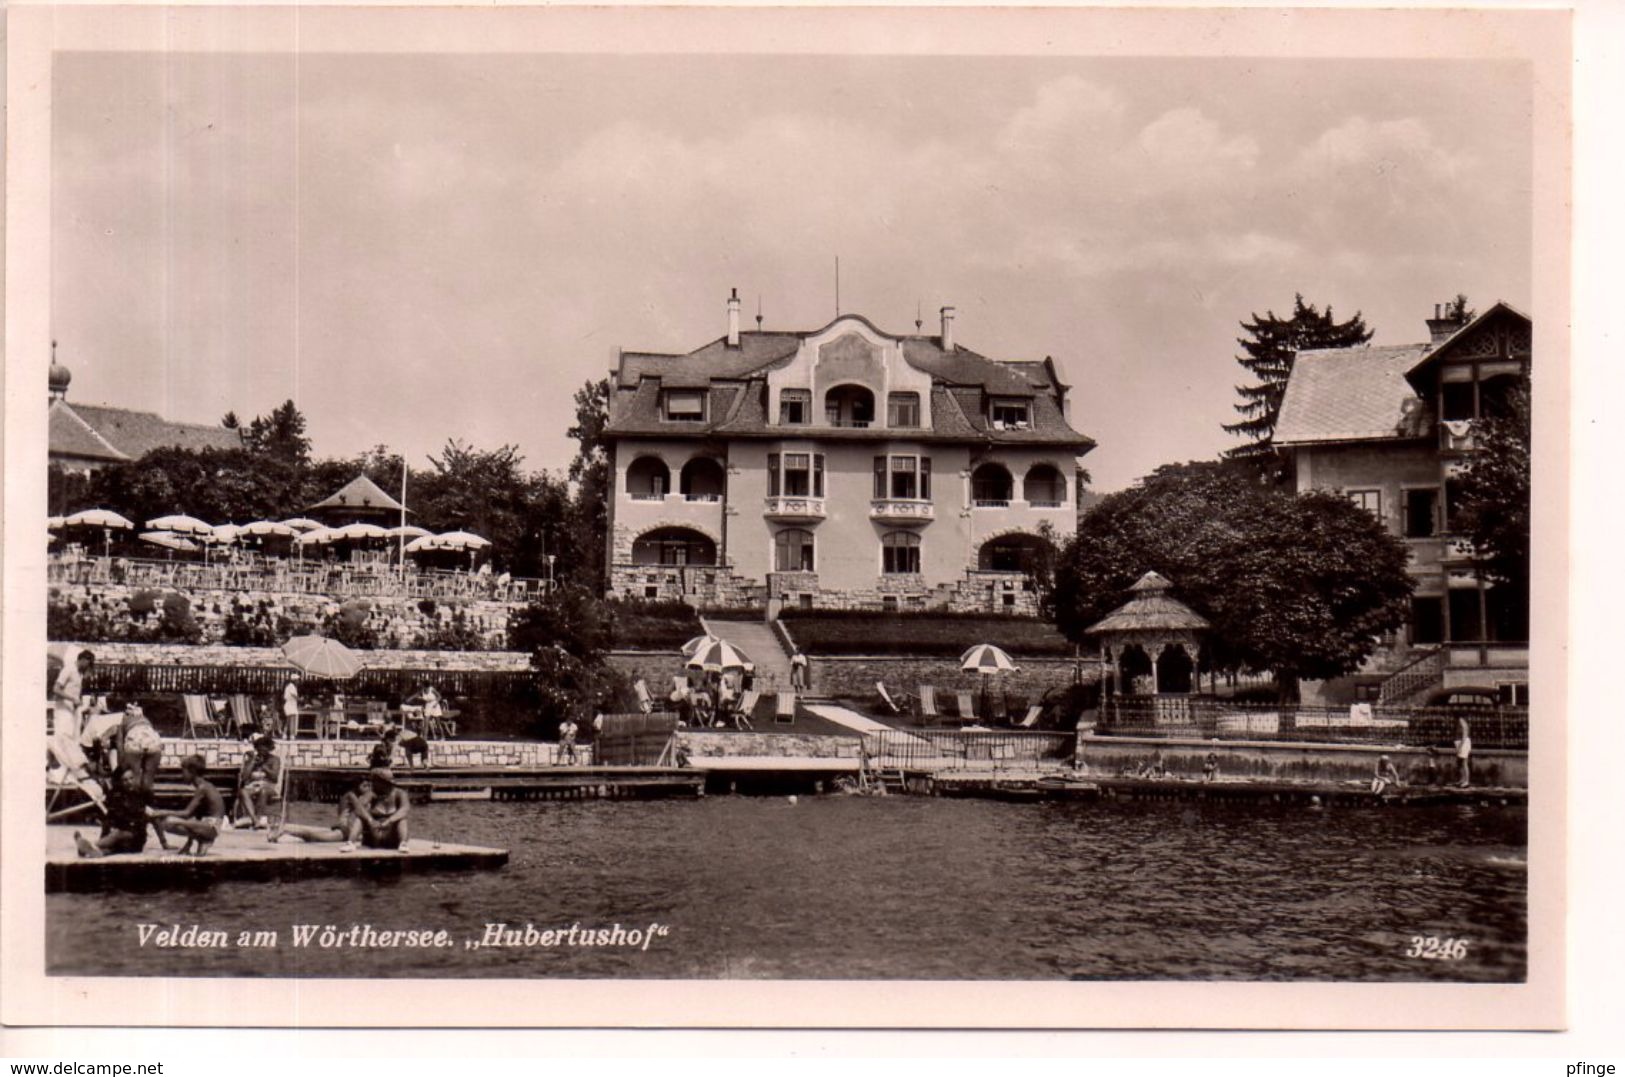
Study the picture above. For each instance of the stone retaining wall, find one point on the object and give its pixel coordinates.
(854, 676)
(1294, 761)
(353, 753)
(654, 668)
(206, 654)
(701, 745)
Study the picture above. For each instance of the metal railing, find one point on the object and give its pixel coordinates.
(940, 750)
(1210, 718)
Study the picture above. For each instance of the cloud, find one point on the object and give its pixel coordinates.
(1184, 149)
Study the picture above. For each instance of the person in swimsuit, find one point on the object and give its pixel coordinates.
(124, 820)
(346, 827)
(1464, 752)
(259, 782)
(204, 815)
(383, 824)
(1387, 774)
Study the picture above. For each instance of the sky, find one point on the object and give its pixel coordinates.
(417, 248)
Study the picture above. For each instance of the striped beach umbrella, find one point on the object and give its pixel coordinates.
(719, 655)
(696, 643)
(986, 658)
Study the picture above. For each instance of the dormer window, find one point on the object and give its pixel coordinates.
(1010, 414)
(795, 407)
(903, 410)
(685, 405)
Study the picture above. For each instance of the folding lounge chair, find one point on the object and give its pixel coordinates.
(645, 704)
(242, 713)
(1031, 717)
(70, 756)
(784, 708)
(199, 721)
(928, 701)
(885, 697)
(967, 710)
(745, 708)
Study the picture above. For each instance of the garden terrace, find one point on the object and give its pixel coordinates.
(938, 635)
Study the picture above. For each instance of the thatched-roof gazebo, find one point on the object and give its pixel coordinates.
(1160, 626)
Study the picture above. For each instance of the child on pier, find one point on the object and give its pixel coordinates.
(259, 782)
(200, 821)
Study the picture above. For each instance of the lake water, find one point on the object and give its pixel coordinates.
(908, 887)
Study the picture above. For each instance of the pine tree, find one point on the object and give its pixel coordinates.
(1274, 343)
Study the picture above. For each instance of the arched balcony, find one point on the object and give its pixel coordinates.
(673, 546)
(991, 486)
(648, 479)
(849, 406)
(702, 479)
(1044, 487)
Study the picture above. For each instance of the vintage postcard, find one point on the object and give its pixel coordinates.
(786, 517)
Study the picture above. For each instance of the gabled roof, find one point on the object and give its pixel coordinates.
(359, 493)
(70, 435)
(1150, 609)
(1448, 344)
(95, 432)
(1351, 394)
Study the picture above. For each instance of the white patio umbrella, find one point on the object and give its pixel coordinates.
(461, 540)
(266, 528)
(224, 533)
(719, 655)
(106, 519)
(322, 657)
(318, 537)
(302, 523)
(408, 531)
(353, 532)
(986, 659)
(54, 522)
(168, 540)
(182, 524)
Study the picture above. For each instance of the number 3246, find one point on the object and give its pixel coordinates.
(1433, 948)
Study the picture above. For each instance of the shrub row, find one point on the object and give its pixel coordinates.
(930, 635)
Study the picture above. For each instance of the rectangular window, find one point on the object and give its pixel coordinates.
(1465, 625)
(880, 478)
(1427, 620)
(1452, 504)
(818, 474)
(1512, 694)
(925, 478)
(900, 555)
(772, 474)
(1421, 513)
(903, 409)
(1369, 500)
(797, 474)
(795, 407)
(904, 477)
(685, 405)
(888, 603)
(1456, 401)
(1009, 414)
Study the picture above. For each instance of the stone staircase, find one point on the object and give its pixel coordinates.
(757, 639)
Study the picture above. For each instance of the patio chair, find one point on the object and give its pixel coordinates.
(928, 702)
(645, 704)
(199, 721)
(242, 713)
(1030, 719)
(745, 708)
(967, 709)
(784, 708)
(442, 726)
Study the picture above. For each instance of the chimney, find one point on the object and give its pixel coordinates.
(733, 319)
(947, 329)
(1442, 324)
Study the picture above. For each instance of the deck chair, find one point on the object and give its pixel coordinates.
(745, 708)
(645, 704)
(67, 754)
(200, 721)
(242, 713)
(784, 708)
(928, 701)
(1000, 708)
(885, 697)
(967, 709)
(1030, 719)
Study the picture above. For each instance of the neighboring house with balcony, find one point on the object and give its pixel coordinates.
(842, 467)
(1392, 427)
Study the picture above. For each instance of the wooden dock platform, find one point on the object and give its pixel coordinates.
(512, 783)
(1249, 790)
(243, 855)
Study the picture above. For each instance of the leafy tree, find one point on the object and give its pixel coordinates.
(568, 633)
(67, 492)
(1271, 345)
(1492, 504)
(1300, 585)
(589, 520)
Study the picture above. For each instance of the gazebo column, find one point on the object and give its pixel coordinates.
(1156, 654)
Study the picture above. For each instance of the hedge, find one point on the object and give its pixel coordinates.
(925, 634)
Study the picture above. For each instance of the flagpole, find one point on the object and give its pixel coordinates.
(402, 535)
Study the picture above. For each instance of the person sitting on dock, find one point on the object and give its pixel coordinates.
(124, 820)
(353, 806)
(259, 782)
(1386, 775)
(383, 822)
(1154, 769)
(200, 821)
(1464, 752)
(413, 745)
(1210, 767)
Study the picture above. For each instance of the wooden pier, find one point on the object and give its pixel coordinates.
(511, 783)
(244, 855)
(1266, 791)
